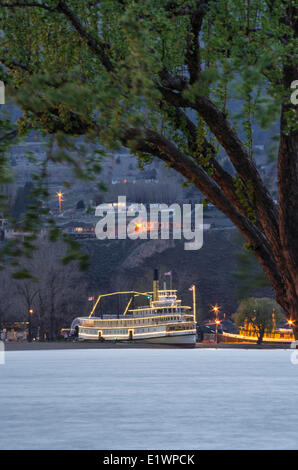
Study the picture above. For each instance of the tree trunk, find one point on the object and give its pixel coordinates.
(288, 199)
(295, 331)
(51, 325)
(289, 302)
(260, 336)
(292, 314)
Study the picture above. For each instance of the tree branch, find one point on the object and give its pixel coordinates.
(100, 49)
(10, 135)
(193, 55)
(219, 175)
(153, 143)
(243, 164)
(9, 63)
(27, 4)
(178, 10)
(245, 167)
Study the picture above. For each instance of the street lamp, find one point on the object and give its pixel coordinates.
(215, 308)
(60, 199)
(291, 325)
(30, 312)
(217, 322)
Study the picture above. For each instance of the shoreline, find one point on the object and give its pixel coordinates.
(63, 345)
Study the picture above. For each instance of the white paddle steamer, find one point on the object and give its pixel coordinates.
(165, 320)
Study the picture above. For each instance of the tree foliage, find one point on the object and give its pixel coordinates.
(257, 312)
(159, 77)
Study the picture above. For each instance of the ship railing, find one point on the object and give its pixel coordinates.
(160, 311)
(154, 319)
(167, 293)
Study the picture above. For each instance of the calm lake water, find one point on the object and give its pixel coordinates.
(149, 399)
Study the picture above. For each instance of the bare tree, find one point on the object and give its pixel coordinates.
(8, 296)
(52, 294)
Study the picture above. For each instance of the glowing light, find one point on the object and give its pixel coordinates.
(140, 309)
(149, 333)
(141, 318)
(290, 322)
(31, 311)
(60, 199)
(215, 308)
(149, 325)
(115, 293)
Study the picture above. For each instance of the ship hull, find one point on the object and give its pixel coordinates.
(181, 340)
(187, 340)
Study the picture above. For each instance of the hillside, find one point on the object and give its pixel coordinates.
(128, 265)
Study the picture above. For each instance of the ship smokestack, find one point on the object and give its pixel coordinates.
(155, 285)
